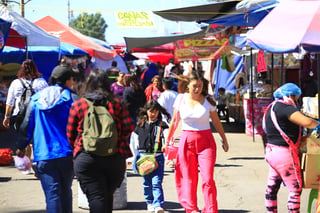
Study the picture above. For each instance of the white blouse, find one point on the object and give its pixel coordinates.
(194, 118)
(16, 89)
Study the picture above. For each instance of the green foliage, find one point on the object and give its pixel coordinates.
(92, 25)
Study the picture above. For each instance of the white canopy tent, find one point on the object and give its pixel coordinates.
(35, 36)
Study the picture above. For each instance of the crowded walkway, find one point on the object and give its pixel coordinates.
(240, 176)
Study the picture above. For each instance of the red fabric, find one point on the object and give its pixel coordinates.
(16, 40)
(197, 149)
(71, 36)
(120, 115)
(6, 156)
(148, 92)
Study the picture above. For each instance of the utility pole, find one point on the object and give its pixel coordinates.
(22, 8)
(69, 13)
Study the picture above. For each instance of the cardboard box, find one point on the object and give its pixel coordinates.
(310, 165)
(313, 145)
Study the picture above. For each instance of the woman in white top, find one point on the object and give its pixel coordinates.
(197, 147)
(30, 75)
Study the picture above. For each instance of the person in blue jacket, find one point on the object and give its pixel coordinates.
(45, 123)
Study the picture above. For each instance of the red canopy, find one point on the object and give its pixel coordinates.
(73, 37)
(16, 40)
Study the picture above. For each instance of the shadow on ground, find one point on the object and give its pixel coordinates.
(246, 158)
(169, 206)
(232, 127)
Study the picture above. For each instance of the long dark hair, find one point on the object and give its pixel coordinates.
(151, 105)
(28, 70)
(131, 81)
(98, 83)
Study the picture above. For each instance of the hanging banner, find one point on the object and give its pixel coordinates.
(134, 19)
(200, 49)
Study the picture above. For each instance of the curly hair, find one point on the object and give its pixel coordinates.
(28, 70)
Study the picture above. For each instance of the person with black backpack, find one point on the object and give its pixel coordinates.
(100, 142)
(29, 81)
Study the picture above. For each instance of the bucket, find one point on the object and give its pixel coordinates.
(119, 196)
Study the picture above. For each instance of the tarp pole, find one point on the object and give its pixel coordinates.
(272, 70)
(251, 93)
(318, 76)
(282, 69)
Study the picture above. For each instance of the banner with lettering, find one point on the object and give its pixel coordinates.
(135, 19)
(200, 49)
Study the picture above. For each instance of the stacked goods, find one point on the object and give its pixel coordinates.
(310, 162)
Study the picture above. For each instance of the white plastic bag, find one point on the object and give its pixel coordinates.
(22, 163)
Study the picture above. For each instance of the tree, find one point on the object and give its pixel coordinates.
(92, 25)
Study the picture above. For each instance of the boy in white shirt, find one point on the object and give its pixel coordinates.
(168, 96)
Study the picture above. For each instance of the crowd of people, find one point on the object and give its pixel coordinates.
(145, 106)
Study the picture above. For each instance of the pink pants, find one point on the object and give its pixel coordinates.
(196, 149)
(281, 170)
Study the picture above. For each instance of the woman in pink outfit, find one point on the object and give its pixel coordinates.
(282, 124)
(197, 147)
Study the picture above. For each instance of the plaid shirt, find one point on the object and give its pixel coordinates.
(119, 113)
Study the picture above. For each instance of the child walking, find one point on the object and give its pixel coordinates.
(143, 141)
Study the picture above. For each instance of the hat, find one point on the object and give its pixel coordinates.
(287, 90)
(62, 71)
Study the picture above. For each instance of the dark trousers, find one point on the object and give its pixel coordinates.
(99, 177)
(225, 111)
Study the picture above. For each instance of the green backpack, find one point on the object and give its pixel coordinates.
(100, 135)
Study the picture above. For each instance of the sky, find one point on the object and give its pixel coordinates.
(58, 9)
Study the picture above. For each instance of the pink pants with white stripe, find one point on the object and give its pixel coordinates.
(196, 149)
(281, 170)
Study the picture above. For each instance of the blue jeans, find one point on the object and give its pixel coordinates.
(56, 177)
(152, 185)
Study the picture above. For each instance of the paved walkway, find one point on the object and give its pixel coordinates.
(240, 177)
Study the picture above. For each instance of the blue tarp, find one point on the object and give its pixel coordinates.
(4, 32)
(45, 57)
(245, 18)
(225, 78)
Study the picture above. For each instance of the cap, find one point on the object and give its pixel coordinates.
(62, 71)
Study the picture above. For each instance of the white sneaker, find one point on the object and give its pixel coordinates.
(150, 208)
(27, 172)
(158, 210)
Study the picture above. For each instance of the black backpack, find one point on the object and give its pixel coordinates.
(24, 102)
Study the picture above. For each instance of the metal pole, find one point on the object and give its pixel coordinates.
(251, 93)
(69, 13)
(272, 70)
(318, 76)
(281, 70)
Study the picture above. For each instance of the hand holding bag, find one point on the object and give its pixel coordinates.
(171, 149)
(148, 163)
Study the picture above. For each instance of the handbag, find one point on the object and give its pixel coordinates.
(172, 150)
(148, 162)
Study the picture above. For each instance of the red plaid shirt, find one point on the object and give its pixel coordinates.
(119, 113)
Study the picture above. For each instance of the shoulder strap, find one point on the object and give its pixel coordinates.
(156, 146)
(29, 85)
(276, 124)
(23, 84)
